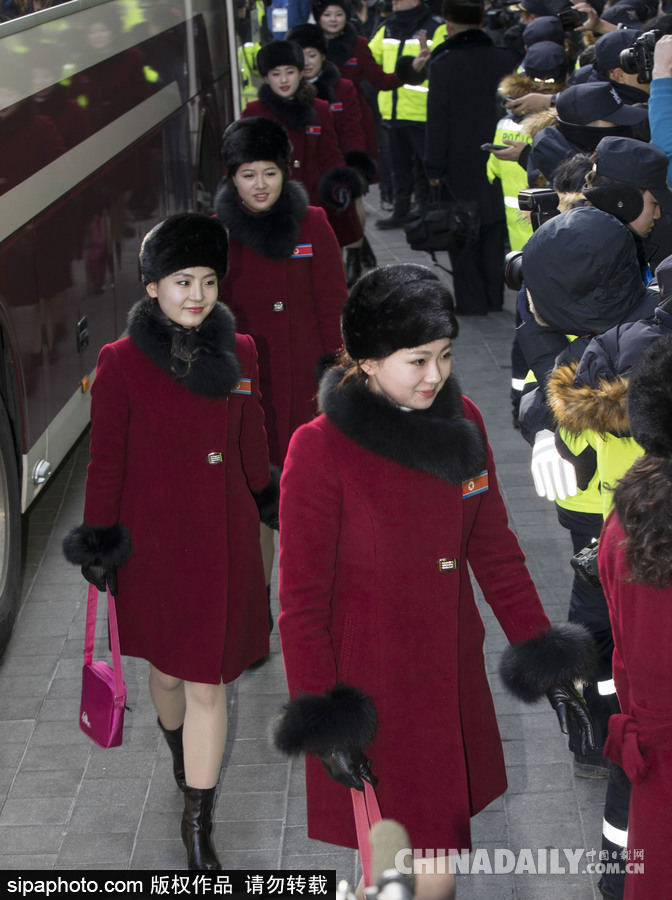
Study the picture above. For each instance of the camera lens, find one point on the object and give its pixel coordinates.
(628, 61)
(513, 270)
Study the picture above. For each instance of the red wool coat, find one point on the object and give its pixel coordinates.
(640, 739)
(192, 597)
(292, 308)
(347, 117)
(315, 151)
(366, 601)
(361, 66)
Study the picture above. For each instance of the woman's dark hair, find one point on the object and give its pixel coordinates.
(642, 499)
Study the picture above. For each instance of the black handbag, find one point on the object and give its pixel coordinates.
(446, 223)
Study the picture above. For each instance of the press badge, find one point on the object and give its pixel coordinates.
(475, 485)
(244, 386)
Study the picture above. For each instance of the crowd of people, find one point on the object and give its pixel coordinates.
(322, 388)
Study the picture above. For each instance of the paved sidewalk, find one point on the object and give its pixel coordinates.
(66, 804)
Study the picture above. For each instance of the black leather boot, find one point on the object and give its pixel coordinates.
(353, 264)
(368, 256)
(174, 741)
(197, 829)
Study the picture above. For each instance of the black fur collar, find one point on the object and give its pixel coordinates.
(340, 48)
(203, 359)
(273, 233)
(297, 113)
(327, 81)
(439, 440)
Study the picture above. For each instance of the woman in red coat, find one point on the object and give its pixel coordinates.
(386, 499)
(317, 161)
(636, 573)
(350, 52)
(285, 284)
(177, 449)
(341, 96)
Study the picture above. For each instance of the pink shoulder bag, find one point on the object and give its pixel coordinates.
(101, 714)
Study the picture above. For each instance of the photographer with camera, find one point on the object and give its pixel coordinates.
(621, 60)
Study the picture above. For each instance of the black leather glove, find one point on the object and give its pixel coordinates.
(341, 199)
(568, 703)
(102, 577)
(349, 767)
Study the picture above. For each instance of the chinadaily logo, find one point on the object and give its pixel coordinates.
(501, 861)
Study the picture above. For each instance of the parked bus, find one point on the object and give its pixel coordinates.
(111, 116)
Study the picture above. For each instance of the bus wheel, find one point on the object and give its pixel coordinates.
(10, 531)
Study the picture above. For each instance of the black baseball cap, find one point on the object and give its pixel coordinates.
(628, 12)
(545, 61)
(608, 48)
(582, 104)
(637, 163)
(537, 7)
(664, 279)
(543, 28)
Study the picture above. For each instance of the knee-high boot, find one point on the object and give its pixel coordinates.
(197, 829)
(174, 741)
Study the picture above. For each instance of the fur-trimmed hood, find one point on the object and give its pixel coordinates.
(438, 440)
(273, 233)
(582, 407)
(203, 359)
(297, 113)
(518, 85)
(535, 123)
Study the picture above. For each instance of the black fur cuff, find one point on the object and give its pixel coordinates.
(365, 164)
(89, 546)
(338, 182)
(343, 718)
(563, 653)
(406, 73)
(325, 362)
(268, 500)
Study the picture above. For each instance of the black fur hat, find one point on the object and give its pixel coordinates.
(319, 7)
(181, 242)
(255, 138)
(649, 398)
(308, 36)
(279, 53)
(394, 307)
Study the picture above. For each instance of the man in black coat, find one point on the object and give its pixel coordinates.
(462, 113)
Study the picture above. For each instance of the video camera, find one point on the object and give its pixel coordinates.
(638, 59)
(542, 204)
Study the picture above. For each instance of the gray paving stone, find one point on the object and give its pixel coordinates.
(36, 811)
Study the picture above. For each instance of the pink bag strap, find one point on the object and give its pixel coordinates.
(367, 813)
(90, 636)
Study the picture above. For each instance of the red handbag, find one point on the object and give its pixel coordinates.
(101, 713)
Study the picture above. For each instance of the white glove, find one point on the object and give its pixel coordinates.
(554, 477)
